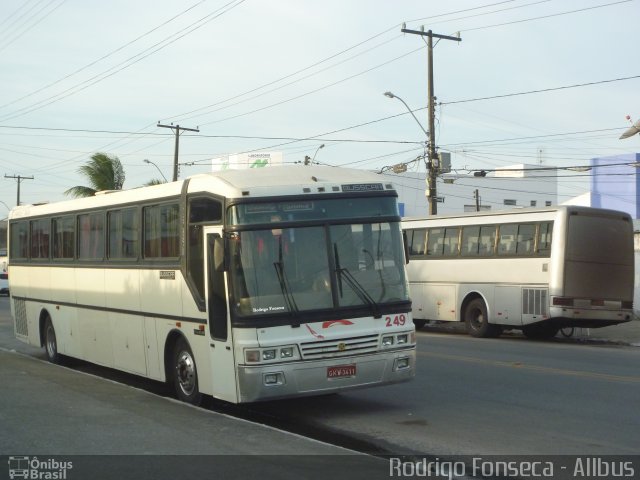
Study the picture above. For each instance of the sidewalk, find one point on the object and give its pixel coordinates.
(622, 334)
(53, 416)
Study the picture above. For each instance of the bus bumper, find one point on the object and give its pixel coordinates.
(589, 317)
(318, 377)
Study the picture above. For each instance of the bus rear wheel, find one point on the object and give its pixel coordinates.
(50, 342)
(540, 331)
(477, 320)
(419, 323)
(185, 375)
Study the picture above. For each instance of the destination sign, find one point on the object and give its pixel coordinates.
(363, 187)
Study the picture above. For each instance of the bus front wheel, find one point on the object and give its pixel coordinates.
(185, 375)
(477, 320)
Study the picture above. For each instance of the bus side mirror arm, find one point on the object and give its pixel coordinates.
(218, 255)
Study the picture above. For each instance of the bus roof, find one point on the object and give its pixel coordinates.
(258, 182)
(504, 214)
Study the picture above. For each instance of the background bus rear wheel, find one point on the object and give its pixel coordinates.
(50, 342)
(419, 323)
(477, 320)
(540, 331)
(185, 375)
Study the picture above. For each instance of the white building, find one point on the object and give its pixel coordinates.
(517, 186)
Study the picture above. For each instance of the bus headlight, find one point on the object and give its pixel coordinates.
(402, 339)
(286, 352)
(271, 354)
(387, 341)
(268, 355)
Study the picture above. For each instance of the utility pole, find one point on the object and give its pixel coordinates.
(476, 195)
(177, 128)
(432, 156)
(19, 178)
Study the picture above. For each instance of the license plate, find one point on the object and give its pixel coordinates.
(341, 371)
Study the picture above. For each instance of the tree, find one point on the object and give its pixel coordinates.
(102, 172)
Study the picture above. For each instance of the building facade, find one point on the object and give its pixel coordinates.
(517, 186)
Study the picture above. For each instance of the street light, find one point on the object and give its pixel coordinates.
(314, 155)
(309, 160)
(391, 95)
(150, 162)
(432, 166)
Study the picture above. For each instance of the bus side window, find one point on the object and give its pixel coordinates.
(435, 242)
(507, 244)
(418, 239)
(526, 234)
(487, 240)
(451, 241)
(544, 238)
(470, 244)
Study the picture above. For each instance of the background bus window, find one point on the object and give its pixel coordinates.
(487, 240)
(544, 238)
(451, 241)
(507, 243)
(19, 247)
(417, 242)
(40, 235)
(435, 242)
(91, 236)
(64, 237)
(526, 235)
(470, 241)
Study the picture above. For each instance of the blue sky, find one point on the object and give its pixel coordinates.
(78, 77)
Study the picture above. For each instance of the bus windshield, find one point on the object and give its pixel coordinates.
(299, 269)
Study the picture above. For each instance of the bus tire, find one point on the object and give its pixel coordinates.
(477, 320)
(185, 374)
(51, 342)
(540, 331)
(419, 323)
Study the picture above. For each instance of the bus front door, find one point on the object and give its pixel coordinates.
(221, 341)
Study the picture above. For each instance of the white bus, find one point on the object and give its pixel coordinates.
(537, 270)
(245, 285)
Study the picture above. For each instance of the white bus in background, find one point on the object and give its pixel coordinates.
(537, 270)
(244, 285)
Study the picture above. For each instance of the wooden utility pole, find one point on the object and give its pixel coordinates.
(432, 160)
(177, 128)
(19, 178)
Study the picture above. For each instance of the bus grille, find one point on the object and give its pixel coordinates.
(534, 301)
(343, 347)
(21, 318)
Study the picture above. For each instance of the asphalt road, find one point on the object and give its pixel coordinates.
(504, 396)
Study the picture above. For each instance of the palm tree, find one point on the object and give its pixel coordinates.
(154, 181)
(103, 173)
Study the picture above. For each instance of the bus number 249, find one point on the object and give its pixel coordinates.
(396, 321)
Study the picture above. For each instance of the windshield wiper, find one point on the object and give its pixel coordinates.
(284, 281)
(354, 284)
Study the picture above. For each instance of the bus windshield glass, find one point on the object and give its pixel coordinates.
(310, 210)
(325, 267)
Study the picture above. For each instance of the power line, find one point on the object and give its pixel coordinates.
(547, 16)
(552, 89)
(49, 85)
(123, 65)
(18, 35)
